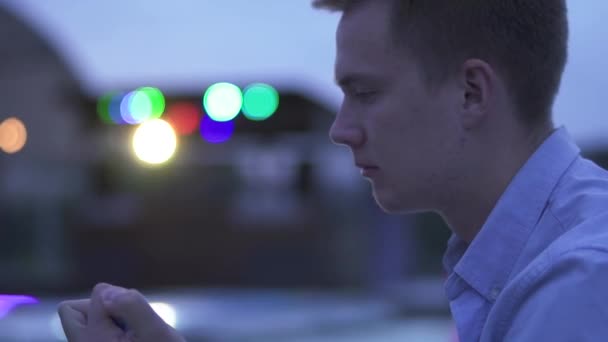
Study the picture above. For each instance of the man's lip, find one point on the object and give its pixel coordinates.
(366, 167)
(369, 171)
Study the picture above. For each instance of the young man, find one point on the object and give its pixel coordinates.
(447, 108)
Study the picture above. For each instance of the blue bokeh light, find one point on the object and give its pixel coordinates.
(216, 132)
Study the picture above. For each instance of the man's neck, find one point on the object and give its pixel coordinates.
(477, 193)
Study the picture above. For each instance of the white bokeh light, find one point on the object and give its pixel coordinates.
(154, 142)
(166, 312)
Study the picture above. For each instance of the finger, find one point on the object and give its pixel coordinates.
(73, 320)
(101, 293)
(131, 307)
(97, 314)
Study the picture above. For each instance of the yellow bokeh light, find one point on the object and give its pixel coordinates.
(13, 135)
(154, 141)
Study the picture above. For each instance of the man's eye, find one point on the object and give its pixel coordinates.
(364, 95)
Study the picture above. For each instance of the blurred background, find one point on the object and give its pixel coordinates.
(181, 148)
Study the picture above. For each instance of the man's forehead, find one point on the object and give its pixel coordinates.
(364, 32)
(363, 46)
(370, 18)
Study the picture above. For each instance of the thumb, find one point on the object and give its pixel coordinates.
(73, 315)
(132, 308)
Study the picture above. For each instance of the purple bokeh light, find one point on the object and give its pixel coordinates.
(10, 302)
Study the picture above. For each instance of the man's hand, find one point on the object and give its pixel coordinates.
(114, 314)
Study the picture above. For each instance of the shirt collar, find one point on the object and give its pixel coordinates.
(487, 262)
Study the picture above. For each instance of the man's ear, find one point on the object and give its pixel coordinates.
(478, 81)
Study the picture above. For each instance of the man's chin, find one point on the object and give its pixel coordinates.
(389, 204)
(393, 205)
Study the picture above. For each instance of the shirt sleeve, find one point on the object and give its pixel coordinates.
(567, 300)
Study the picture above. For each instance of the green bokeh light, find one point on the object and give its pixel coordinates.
(157, 101)
(140, 106)
(260, 101)
(103, 108)
(223, 101)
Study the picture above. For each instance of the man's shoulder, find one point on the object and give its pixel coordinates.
(580, 194)
(585, 246)
(564, 265)
(569, 271)
(575, 216)
(579, 206)
(579, 255)
(587, 240)
(561, 289)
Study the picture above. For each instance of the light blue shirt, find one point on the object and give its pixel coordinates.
(538, 268)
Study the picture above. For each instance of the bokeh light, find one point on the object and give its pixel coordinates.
(185, 117)
(114, 108)
(216, 132)
(260, 101)
(157, 101)
(166, 312)
(136, 107)
(125, 108)
(223, 101)
(132, 107)
(103, 108)
(154, 141)
(140, 106)
(13, 135)
(56, 328)
(10, 302)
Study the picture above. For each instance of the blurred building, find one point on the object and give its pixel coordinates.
(276, 206)
(38, 88)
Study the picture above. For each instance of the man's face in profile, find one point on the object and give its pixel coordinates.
(402, 135)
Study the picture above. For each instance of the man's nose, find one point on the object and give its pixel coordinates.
(346, 132)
